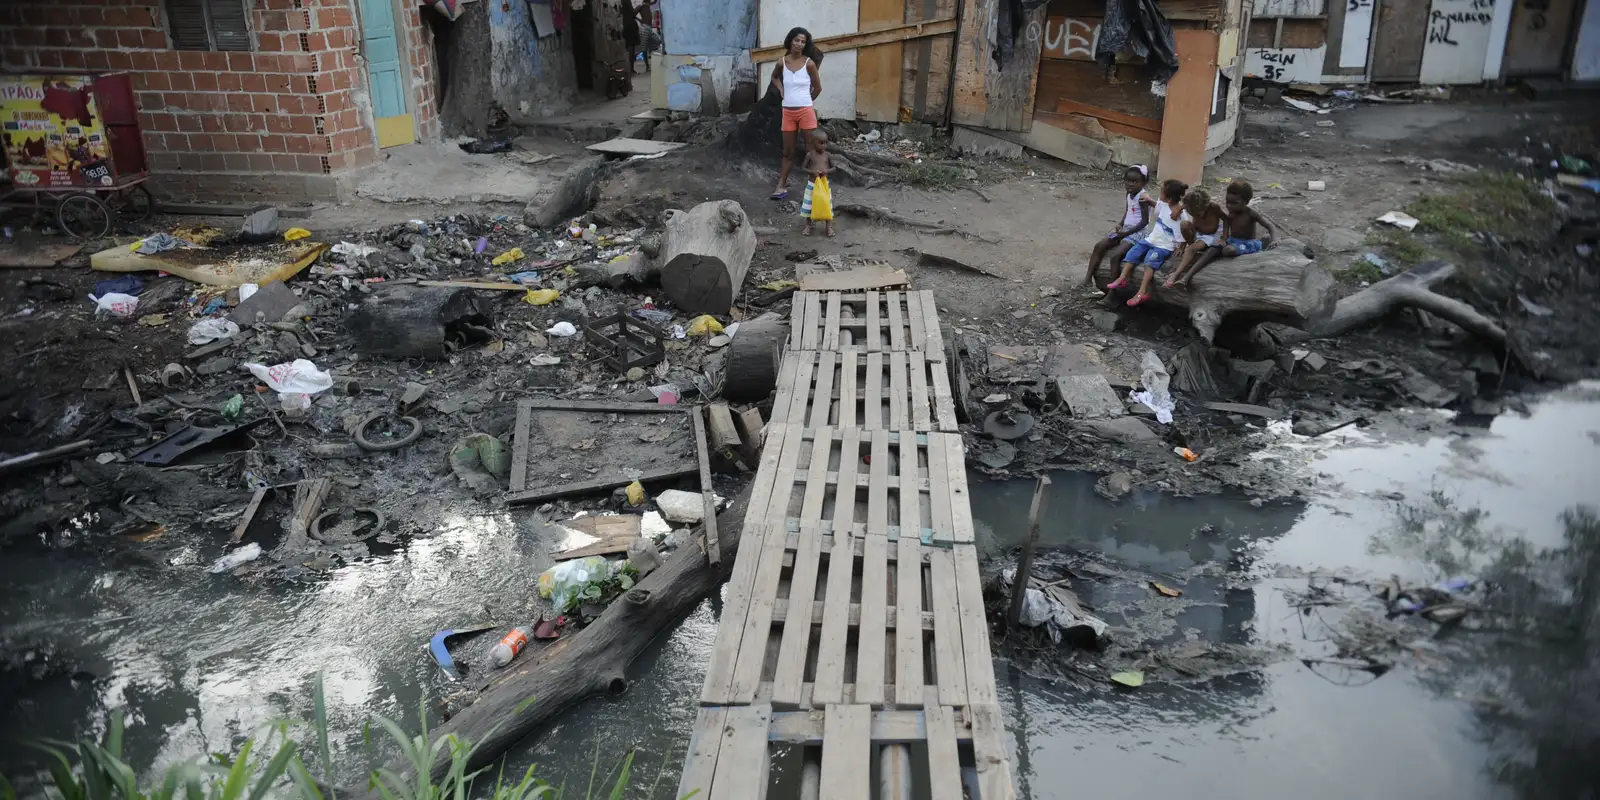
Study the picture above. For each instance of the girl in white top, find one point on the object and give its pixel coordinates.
(1135, 218)
(1164, 238)
(796, 79)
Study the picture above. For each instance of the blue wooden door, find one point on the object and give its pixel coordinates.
(384, 73)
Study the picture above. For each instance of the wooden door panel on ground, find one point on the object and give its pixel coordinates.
(1537, 41)
(383, 73)
(1401, 28)
(1186, 114)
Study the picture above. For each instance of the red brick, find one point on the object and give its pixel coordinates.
(299, 144)
(168, 61)
(154, 40)
(247, 143)
(119, 60)
(211, 123)
(253, 83)
(230, 81)
(212, 162)
(159, 81)
(267, 42)
(241, 62)
(105, 37)
(216, 62)
(288, 104)
(51, 59)
(205, 81)
(191, 60)
(260, 162)
(130, 38)
(114, 17)
(283, 163)
(311, 164)
(316, 41)
(140, 17)
(274, 143)
(142, 61)
(87, 16)
(181, 81)
(188, 123)
(264, 104)
(235, 162)
(279, 83)
(278, 123)
(74, 59)
(202, 142)
(301, 123)
(163, 122)
(55, 37)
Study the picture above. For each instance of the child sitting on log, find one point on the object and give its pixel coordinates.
(1204, 232)
(1137, 209)
(1158, 246)
(1240, 227)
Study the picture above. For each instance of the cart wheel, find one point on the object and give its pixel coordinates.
(134, 204)
(83, 216)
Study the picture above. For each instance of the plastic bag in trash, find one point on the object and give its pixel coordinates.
(1153, 374)
(116, 304)
(1036, 609)
(210, 330)
(296, 377)
(564, 583)
(562, 329)
(704, 325)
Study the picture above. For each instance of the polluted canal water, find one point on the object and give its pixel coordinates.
(1322, 693)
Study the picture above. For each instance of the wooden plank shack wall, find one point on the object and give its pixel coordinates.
(987, 95)
(926, 64)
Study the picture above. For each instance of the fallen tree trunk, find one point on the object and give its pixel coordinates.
(1279, 285)
(535, 689)
(1409, 289)
(705, 253)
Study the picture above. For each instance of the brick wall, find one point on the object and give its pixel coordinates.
(289, 120)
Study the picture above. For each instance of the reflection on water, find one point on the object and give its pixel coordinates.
(198, 660)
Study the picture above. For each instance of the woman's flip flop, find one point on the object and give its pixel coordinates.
(783, 195)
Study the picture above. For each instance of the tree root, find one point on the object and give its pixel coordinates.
(877, 214)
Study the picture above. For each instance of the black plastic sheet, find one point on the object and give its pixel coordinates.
(1139, 26)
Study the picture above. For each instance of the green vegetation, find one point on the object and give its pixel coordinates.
(931, 176)
(95, 771)
(1502, 205)
(1403, 250)
(1359, 272)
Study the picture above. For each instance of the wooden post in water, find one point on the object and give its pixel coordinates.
(1019, 585)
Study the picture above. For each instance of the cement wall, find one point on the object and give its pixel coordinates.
(708, 27)
(531, 68)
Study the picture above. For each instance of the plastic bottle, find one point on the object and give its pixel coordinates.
(510, 645)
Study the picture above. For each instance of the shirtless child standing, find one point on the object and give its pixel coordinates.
(1240, 230)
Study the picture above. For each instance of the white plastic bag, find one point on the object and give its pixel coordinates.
(296, 377)
(562, 329)
(246, 290)
(243, 555)
(116, 304)
(1155, 379)
(564, 583)
(212, 329)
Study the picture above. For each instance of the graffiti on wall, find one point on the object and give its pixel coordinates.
(1285, 65)
(1444, 25)
(1073, 39)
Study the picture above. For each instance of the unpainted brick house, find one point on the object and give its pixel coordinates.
(248, 99)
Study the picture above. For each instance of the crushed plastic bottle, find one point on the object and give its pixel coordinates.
(510, 645)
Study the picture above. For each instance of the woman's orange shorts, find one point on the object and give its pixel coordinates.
(800, 119)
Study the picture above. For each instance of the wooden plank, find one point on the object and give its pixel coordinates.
(844, 510)
(249, 515)
(797, 318)
(899, 420)
(873, 412)
(878, 67)
(944, 760)
(921, 417)
(1063, 144)
(752, 653)
(878, 485)
(519, 449)
(785, 395)
(932, 337)
(897, 334)
(960, 502)
(854, 41)
(874, 323)
(849, 362)
(994, 771)
(767, 472)
(796, 644)
(730, 628)
(751, 434)
(944, 404)
(709, 515)
(948, 665)
(700, 763)
(974, 627)
(987, 95)
(810, 335)
(888, 727)
(829, 680)
(783, 610)
(1187, 117)
(847, 753)
(872, 635)
(1082, 87)
(501, 287)
(784, 478)
(823, 395)
(543, 493)
(622, 146)
(918, 337)
(744, 758)
(1108, 115)
(910, 486)
(908, 639)
(805, 362)
(1089, 396)
(856, 279)
(939, 488)
(830, 332)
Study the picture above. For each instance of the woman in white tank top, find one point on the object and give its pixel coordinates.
(796, 80)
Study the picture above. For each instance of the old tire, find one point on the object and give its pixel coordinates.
(753, 359)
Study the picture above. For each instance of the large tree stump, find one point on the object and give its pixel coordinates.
(404, 321)
(1412, 288)
(754, 356)
(705, 253)
(1277, 285)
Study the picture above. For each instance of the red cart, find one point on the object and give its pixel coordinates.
(72, 142)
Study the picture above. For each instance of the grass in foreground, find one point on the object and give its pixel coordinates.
(88, 770)
(1502, 205)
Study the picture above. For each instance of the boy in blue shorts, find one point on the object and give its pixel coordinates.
(1158, 246)
(1241, 229)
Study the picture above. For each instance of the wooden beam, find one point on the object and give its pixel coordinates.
(854, 41)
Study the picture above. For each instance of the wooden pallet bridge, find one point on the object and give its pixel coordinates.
(853, 626)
